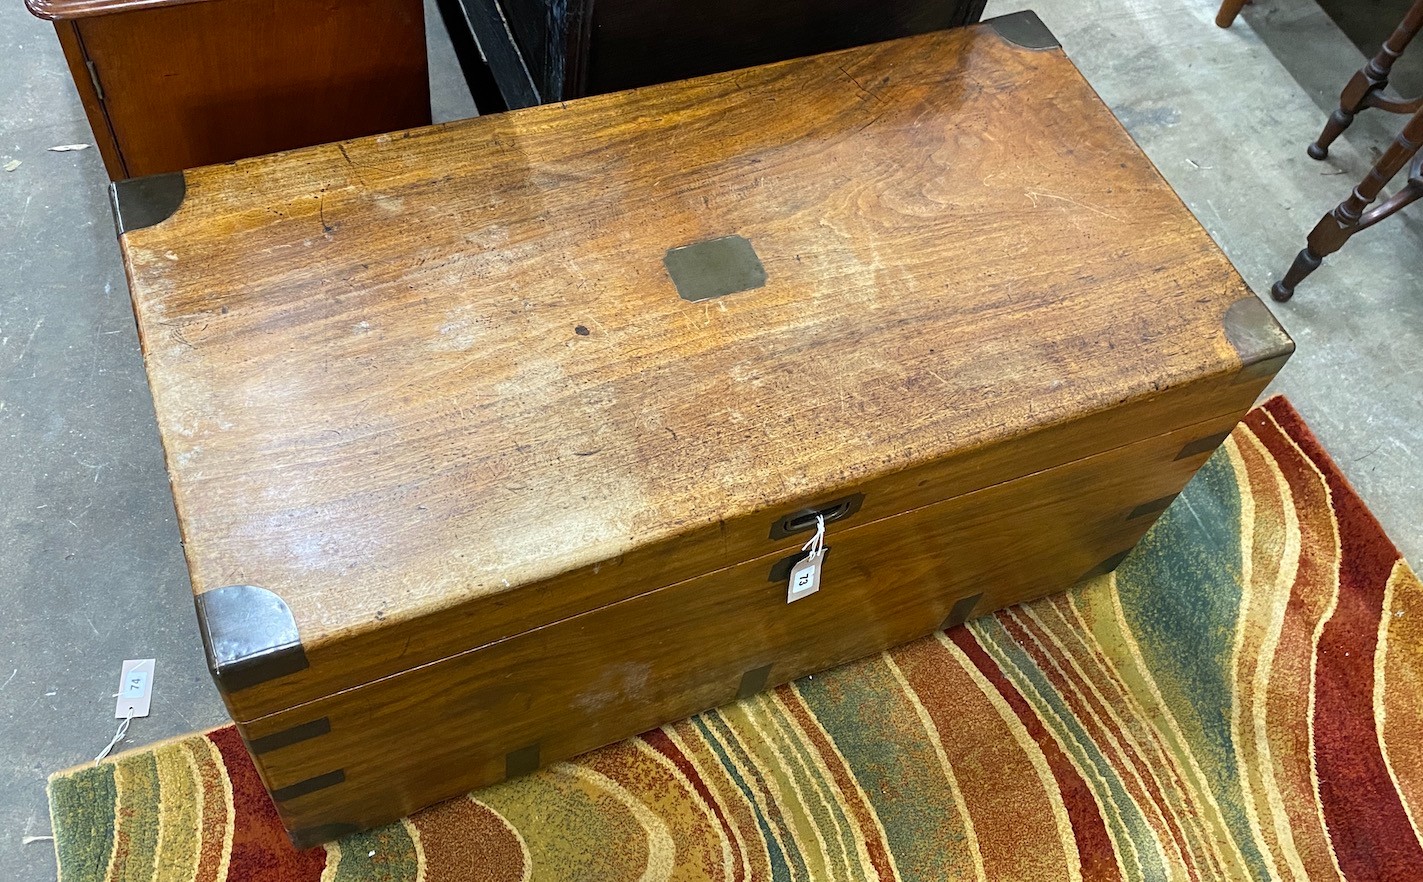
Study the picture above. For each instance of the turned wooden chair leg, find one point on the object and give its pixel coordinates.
(1229, 9)
(1369, 80)
(1349, 216)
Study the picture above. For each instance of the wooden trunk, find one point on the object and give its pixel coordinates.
(495, 442)
(172, 84)
(541, 51)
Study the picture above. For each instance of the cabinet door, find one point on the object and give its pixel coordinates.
(86, 83)
(200, 83)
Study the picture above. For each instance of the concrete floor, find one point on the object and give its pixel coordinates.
(91, 571)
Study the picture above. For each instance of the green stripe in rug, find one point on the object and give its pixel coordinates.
(82, 808)
(1187, 637)
(1159, 723)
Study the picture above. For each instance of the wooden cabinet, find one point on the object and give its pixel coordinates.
(496, 441)
(550, 50)
(169, 85)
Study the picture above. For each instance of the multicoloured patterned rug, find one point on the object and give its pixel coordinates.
(1240, 700)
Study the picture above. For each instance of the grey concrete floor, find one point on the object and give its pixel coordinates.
(91, 571)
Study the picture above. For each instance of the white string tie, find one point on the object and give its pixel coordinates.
(118, 736)
(816, 544)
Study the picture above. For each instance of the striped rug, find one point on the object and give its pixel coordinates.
(1242, 699)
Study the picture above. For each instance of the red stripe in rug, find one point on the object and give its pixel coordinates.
(658, 741)
(261, 851)
(851, 800)
(1094, 719)
(213, 814)
(1368, 825)
(1094, 845)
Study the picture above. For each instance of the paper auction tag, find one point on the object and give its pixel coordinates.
(135, 688)
(805, 576)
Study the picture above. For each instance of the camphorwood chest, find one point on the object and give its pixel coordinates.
(497, 441)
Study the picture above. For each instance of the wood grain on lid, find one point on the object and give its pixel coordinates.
(414, 374)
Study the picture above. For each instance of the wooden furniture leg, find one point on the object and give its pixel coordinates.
(1366, 88)
(1349, 217)
(1229, 9)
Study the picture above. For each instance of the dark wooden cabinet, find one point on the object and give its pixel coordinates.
(540, 51)
(169, 85)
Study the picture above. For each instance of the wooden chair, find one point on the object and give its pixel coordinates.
(1229, 9)
(1365, 89)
